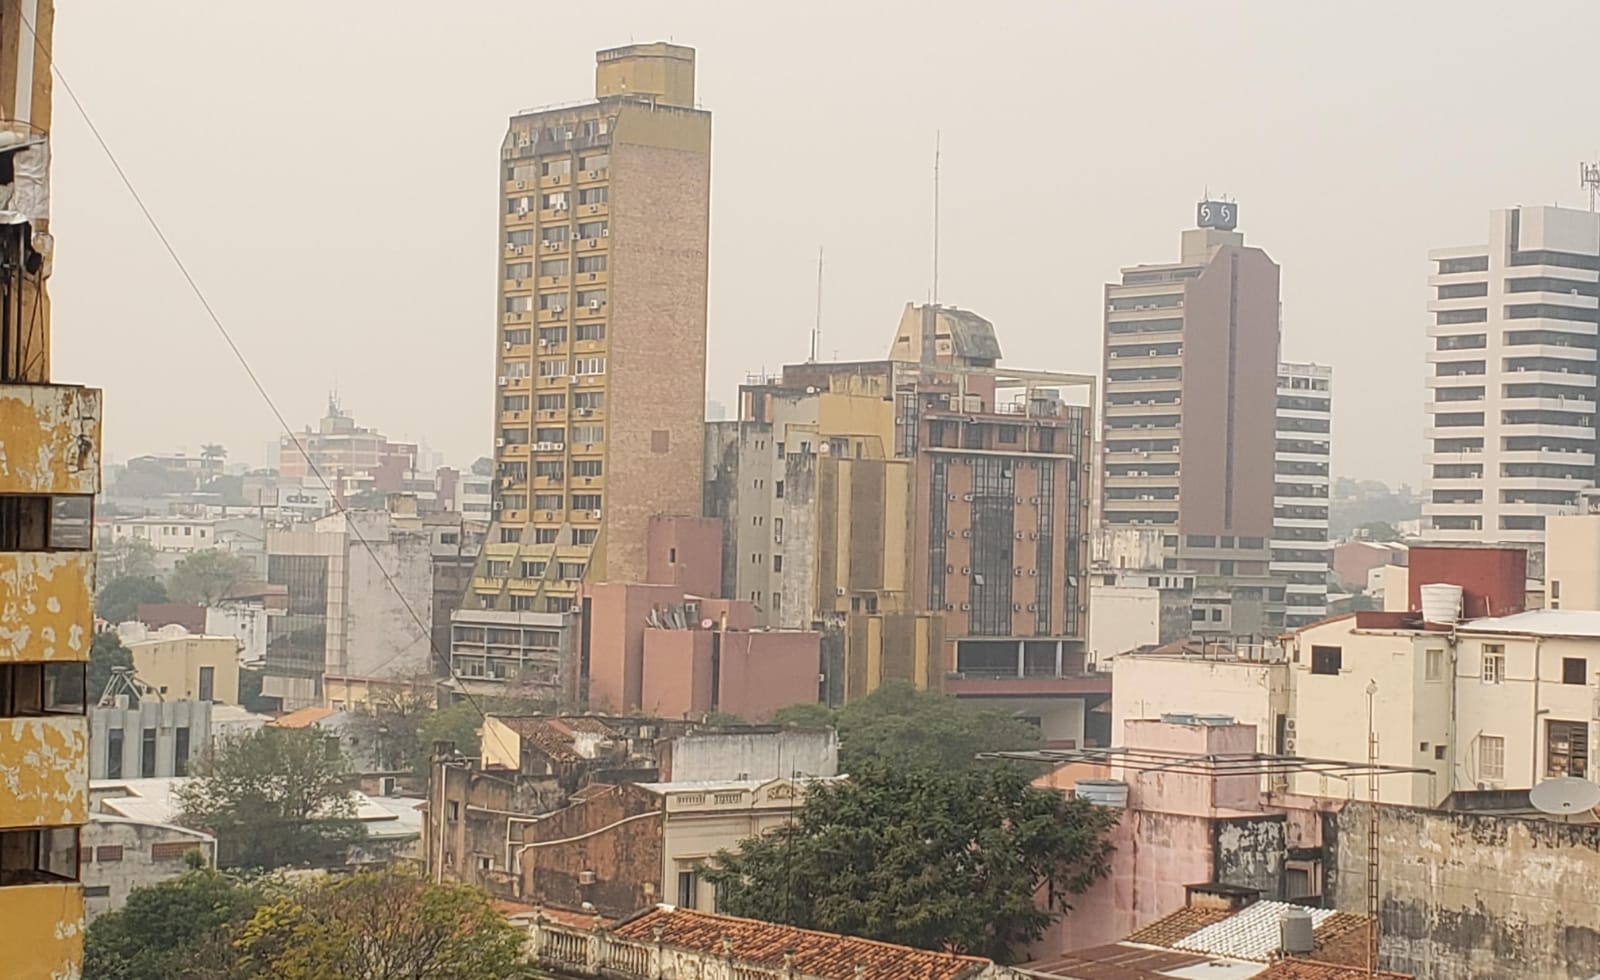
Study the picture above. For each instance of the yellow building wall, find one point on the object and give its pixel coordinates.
(44, 776)
(49, 439)
(46, 605)
(498, 745)
(173, 666)
(43, 931)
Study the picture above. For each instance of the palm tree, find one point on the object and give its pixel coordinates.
(211, 456)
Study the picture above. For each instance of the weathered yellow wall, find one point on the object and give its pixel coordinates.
(43, 930)
(499, 745)
(46, 605)
(44, 781)
(49, 439)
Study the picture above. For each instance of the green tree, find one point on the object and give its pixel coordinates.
(120, 598)
(211, 456)
(459, 723)
(105, 653)
(898, 725)
(923, 857)
(206, 576)
(250, 698)
(806, 716)
(1377, 531)
(160, 928)
(382, 924)
(275, 797)
(128, 558)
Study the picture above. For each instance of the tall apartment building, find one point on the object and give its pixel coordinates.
(1511, 371)
(600, 374)
(1189, 430)
(928, 512)
(50, 440)
(1301, 551)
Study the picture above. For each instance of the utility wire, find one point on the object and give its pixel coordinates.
(255, 381)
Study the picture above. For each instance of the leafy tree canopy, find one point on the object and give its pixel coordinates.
(923, 857)
(207, 576)
(130, 557)
(274, 797)
(899, 725)
(161, 927)
(120, 598)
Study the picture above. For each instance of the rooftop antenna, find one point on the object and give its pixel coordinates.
(816, 331)
(1372, 831)
(1589, 179)
(934, 298)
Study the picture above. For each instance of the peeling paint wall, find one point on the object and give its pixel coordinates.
(44, 776)
(43, 930)
(1250, 852)
(1468, 896)
(49, 439)
(46, 605)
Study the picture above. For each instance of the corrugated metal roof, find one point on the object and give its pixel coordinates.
(1125, 961)
(824, 955)
(1252, 933)
(1540, 622)
(304, 718)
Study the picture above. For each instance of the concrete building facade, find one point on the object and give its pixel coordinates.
(1301, 551)
(600, 367)
(120, 854)
(50, 439)
(1511, 376)
(178, 665)
(347, 457)
(148, 738)
(1189, 423)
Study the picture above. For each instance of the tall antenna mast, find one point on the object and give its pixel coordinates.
(1589, 178)
(934, 299)
(1372, 831)
(816, 331)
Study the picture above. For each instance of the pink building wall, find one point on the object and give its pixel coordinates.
(762, 672)
(741, 613)
(617, 616)
(677, 672)
(686, 552)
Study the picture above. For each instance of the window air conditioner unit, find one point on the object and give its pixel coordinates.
(594, 304)
(499, 443)
(508, 345)
(543, 342)
(593, 242)
(585, 412)
(838, 591)
(605, 232)
(558, 308)
(522, 184)
(593, 174)
(522, 211)
(510, 247)
(561, 205)
(594, 514)
(503, 380)
(520, 249)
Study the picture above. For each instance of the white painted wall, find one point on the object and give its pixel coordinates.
(1122, 618)
(1147, 687)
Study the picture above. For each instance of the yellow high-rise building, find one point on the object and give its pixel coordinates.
(50, 442)
(600, 373)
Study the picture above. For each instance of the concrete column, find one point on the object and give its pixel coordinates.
(1021, 659)
(1060, 645)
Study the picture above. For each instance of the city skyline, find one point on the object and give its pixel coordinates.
(414, 359)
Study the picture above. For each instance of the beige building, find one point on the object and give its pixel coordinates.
(1571, 565)
(1496, 704)
(703, 818)
(184, 666)
(600, 372)
(1251, 686)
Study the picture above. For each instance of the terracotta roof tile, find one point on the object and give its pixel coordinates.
(1118, 961)
(304, 718)
(1179, 925)
(816, 954)
(1341, 938)
(557, 745)
(592, 726)
(1317, 970)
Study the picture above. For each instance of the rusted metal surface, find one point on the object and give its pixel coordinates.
(46, 605)
(49, 439)
(43, 779)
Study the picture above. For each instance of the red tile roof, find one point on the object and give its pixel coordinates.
(1316, 970)
(555, 744)
(304, 718)
(824, 955)
(1169, 929)
(1117, 961)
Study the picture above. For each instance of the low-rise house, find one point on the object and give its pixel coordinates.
(118, 854)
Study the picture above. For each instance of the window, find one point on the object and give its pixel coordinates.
(571, 571)
(588, 433)
(591, 365)
(589, 400)
(552, 369)
(170, 850)
(552, 403)
(688, 885)
(1566, 749)
(38, 855)
(1326, 660)
(586, 501)
(550, 434)
(552, 267)
(1433, 664)
(533, 569)
(552, 336)
(97, 891)
(508, 535)
(544, 535)
(777, 489)
(591, 331)
(1491, 756)
(147, 755)
(1494, 663)
(42, 689)
(1574, 670)
(108, 853)
(591, 297)
(586, 467)
(208, 683)
(594, 161)
(1451, 267)
(547, 501)
(522, 603)
(585, 535)
(592, 229)
(591, 263)
(777, 563)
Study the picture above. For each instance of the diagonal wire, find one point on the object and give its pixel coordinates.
(255, 381)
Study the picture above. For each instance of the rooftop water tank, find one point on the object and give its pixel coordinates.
(1441, 604)
(1296, 932)
(1102, 792)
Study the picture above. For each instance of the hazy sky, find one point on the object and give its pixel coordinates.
(328, 171)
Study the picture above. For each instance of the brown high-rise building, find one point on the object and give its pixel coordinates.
(1189, 436)
(600, 373)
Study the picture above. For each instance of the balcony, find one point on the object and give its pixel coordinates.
(45, 761)
(1032, 683)
(50, 439)
(44, 929)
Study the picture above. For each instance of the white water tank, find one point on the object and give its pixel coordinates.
(1441, 604)
(1102, 792)
(1297, 932)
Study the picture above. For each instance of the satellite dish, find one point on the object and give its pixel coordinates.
(1564, 796)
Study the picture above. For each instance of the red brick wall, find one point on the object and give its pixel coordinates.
(614, 832)
(1494, 581)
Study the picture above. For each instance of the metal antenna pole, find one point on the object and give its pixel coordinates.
(816, 331)
(934, 299)
(1372, 832)
(1589, 179)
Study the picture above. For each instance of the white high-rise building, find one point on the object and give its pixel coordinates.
(1511, 376)
(1300, 546)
